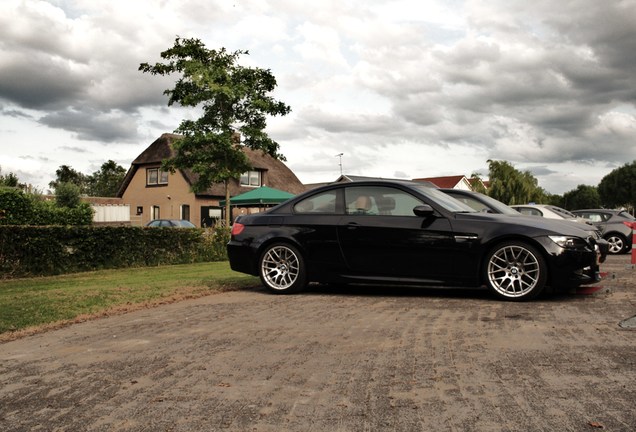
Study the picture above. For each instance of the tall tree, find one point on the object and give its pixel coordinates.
(9, 180)
(618, 188)
(511, 186)
(583, 197)
(106, 181)
(67, 195)
(66, 174)
(233, 98)
(477, 183)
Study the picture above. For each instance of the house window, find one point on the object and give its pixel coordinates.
(154, 176)
(185, 212)
(251, 178)
(155, 213)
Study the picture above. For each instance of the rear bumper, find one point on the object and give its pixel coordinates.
(242, 258)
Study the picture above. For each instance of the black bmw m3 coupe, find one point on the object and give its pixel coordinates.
(403, 232)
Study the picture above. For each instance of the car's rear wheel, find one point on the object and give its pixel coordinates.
(617, 243)
(282, 269)
(515, 271)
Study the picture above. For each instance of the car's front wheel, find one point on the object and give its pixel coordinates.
(617, 243)
(515, 271)
(282, 269)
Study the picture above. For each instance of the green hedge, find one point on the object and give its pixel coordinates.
(19, 208)
(50, 250)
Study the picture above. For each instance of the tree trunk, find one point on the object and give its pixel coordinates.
(228, 207)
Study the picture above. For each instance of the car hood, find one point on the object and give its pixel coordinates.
(551, 226)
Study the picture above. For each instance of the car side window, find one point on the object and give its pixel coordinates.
(321, 203)
(593, 217)
(379, 200)
(471, 202)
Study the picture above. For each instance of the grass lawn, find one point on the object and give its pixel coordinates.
(31, 304)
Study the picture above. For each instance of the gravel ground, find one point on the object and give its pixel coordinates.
(339, 359)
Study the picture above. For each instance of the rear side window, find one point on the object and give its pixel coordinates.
(324, 203)
(593, 217)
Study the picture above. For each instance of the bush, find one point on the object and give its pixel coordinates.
(50, 250)
(19, 208)
(67, 195)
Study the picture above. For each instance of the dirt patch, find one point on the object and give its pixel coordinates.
(337, 359)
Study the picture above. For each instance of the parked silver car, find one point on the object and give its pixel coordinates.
(546, 211)
(610, 222)
(484, 203)
(170, 223)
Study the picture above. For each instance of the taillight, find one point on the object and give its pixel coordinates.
(237, 228)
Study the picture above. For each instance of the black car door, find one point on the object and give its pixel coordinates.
(388, 240)
(315, 222)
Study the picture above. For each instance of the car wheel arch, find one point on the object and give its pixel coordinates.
(280, 239)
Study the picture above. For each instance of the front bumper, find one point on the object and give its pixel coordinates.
(570, 268)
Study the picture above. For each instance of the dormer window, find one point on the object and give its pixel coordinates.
(251, 178)
(156, 177)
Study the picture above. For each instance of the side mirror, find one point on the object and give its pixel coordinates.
(423, 210)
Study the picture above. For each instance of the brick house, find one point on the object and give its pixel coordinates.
(154, 194)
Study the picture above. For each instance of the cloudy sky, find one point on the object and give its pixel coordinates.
(404, 89)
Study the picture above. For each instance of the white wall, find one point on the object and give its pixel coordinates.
(111, 213)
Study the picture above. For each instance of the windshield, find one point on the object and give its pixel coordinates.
(562, 212)
(446, 201)
(485, 203)
(626, 215)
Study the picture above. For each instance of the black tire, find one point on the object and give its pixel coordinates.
(617, 243)
(515, 271)
(281, 268)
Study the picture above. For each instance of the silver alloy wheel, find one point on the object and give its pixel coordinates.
(280, 267)
(616, 244)
(513, 271)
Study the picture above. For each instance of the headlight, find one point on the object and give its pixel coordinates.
(569, 242)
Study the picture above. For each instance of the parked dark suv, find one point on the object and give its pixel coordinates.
(610, 222)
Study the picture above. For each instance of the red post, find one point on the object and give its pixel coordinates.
(632, 225)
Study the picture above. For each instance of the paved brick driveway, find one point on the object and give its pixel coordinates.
(357, 359)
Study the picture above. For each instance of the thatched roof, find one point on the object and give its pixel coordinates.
(278, 175)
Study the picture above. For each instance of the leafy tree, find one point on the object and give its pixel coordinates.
(618, 188)
(67, 195)
(106, 181)
(9, 180)
(477, 183)
(66, 174)
(554, 199)
(233, 99)
(511, 186)
(581, 198)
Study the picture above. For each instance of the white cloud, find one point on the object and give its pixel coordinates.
(418, 88)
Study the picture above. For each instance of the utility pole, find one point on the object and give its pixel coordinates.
(339, 155)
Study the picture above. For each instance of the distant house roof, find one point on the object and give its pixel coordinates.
(448, 182)
(279, 175)
(345, 178)
(348, 178)
(475, 182)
